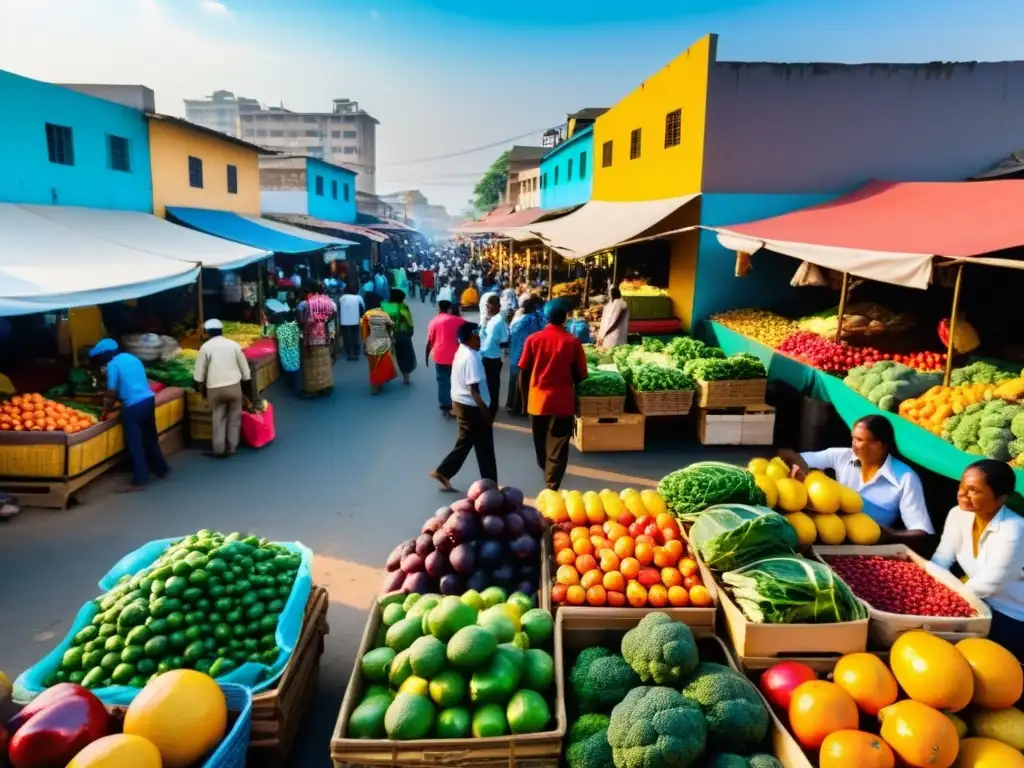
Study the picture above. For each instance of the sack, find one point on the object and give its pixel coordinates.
(258, 428)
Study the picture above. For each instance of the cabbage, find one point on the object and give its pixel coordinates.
(730, 535)
(690, 490)
(792, 590)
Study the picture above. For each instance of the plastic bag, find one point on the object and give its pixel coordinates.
(258, 428)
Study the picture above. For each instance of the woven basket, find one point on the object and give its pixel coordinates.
(674, 403)
(600, 406)
(731, 394)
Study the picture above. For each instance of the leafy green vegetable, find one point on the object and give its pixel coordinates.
(730, 535)
(655, 378)
(980, 372)
(684, 348)
(986, 429)
(651, 344)
(689, 491)
(737, 367)
(792, 590)
(596, 355)
(600, 679)
(602, 384)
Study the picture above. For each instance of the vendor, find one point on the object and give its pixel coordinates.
(891, 490)
(986, 539)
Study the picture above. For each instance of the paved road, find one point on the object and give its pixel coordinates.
(347, 475)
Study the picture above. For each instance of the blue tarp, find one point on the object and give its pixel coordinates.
(243, 230)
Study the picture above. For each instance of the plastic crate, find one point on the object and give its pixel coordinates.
(233, 749)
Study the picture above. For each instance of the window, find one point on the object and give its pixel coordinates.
(335, 134)
(59, 144)
(557, 169)
(349, 135)
(309, 118)
(346, 192)
(606, 154)
(583, 165)
(277, 134)
(568, 170)
(261, 134)
(350, 150)
(348, 119)
(334, 189)
(320, 186)
(673, 128)
(232, 179)
(291, 134)
(195, 172)
(118, 158)
(634, 144)
(312, 134)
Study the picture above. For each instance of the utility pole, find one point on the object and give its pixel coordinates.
(405, 199)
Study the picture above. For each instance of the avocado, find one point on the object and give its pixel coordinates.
(409, 717)
(448, 689)
(367, 720)
(538, 670)
(538, 626)
(427, 656)
(393, 614)
(527, 712)
(497, 680)
(453, 723)
(400, 669)
(470, 647)
(489, 721)
(417, 685)
(374, 665)
(449, 616)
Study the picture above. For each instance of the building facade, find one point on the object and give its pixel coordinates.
(567, 171)
(529, 189)
(220, 111)
(307, 186)
(69, 148)
(521, 160)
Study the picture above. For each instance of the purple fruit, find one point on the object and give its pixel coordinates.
(513, 498)
(462, 558)
(479, 487)
(490, 503)
(479, 581)
(408, 547)
(443, 513)
(514, 525)
(451, 584)
(532, 519)
(424, 544)
(524, 546)
(526, 587)
(394, 561)
(392, 582)
(412, 563)
(436, 565)
(490, 554)
(503, 576)
(431, 525)
(493, 526)
(443, 542)
(465, 506)
(417, 582)
(461, 527)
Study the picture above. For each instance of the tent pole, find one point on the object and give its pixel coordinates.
(199, 296)
(529, 256)
(71, 338)
(260, 278)
(615, 266)
(551, 274)
(842, 306)
(586, 285)
(952, 324)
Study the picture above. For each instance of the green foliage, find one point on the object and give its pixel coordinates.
(660, 650)
(980, 373)
(737, 367)
(887, 384)
(602, 384)
(489, 189)
(655, 378)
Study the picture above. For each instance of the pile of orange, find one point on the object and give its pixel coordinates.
(616, 558)
(31, 412)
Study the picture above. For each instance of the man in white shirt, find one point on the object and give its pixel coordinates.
(220, 370)
(351, 308)
(509, 301)
(445, 293)
(471, 406)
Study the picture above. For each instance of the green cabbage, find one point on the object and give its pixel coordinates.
(730, 535)
(689, 491)
(792, 590)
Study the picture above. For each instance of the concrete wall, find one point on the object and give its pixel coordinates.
(327, 206)
(171, 145)
(796, 128)
(284, 201)
(135, 96)
(572, 188)
(28, 176)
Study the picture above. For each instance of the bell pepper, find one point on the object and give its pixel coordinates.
(42, 701)
(58, 731)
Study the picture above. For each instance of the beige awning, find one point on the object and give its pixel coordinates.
(600, 225)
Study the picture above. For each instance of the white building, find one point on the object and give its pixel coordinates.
(220, 111)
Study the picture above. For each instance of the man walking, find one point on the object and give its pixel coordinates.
(443, 341)
(551, 366)
(493, 336)
(471, 403)
(527, 322)
(351, 308)
(220, 370)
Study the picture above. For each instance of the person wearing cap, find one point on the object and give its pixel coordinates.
(220, 370)
(127, 382)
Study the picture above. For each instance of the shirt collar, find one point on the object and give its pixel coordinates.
(885, 471)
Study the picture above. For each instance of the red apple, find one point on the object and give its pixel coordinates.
(779, 682)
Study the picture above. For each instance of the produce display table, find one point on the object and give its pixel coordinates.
(44, 469)
(266, 369)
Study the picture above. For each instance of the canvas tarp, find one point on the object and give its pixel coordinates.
(253, 231)
(47, 266)
(303, 222)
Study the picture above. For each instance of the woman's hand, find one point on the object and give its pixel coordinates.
(797, 473)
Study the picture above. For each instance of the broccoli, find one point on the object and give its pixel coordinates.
(992, 420)
(1016, 448)
(1017, 425)
(656, 728)
(660, 650)
(601, 679)
(727, 760)
(588, 745)
(974, 408)
(735, 712)
(1012, 411)
(888, 403)
(994, 442)
(884, 389)
(966, 432)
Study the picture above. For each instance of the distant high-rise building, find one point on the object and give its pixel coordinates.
(220, 111)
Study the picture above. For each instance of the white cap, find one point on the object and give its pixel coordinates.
(213, 325)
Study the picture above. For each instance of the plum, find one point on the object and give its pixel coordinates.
(461, 527)
(394, 561)
(503, 576)
(408, 547)
(513, 498)
(524, 546)
(451, 584)
(531, 518)
(464, 505)
(478, 581)
(424, 544)
(443, 542)
(412, 563)
(418, 583)
(392, 582)
(490, 503)
(443, 513)
(432, 525)
(526, 587)
(436, 564)
(514, 524)
(462, 558)
(478, 488)
(493, 526)
(490, 554)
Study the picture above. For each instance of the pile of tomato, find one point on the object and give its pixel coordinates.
(31, 412)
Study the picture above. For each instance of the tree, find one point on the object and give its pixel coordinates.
(492, 184)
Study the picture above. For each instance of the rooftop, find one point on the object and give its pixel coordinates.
(521, 154)
(590, 113)
(183, 123)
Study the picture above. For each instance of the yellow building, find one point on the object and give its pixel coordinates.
(195, 167)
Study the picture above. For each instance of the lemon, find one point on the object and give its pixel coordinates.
(775, 472)
(823, 494)
(861, 529)
(830, 528)
(757, 466)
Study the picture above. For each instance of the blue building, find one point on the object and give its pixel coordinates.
(63, 147)
(567, 171)
(293, 184)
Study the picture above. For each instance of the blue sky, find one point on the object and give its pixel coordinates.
(454, 74)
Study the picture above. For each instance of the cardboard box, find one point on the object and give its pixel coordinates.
(749, 425)
(609, 433)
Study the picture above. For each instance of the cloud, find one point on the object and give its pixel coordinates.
(215, 8)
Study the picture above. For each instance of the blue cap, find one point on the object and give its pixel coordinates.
(102, 347)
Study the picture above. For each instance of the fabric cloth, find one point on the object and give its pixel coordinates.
(475, 434)
(492, 370)
(614, 324)
(893, 494)
(352, 308)
(142, 441)
(443, 337)
(492, 335)
(556, 362)
(469, 297)
(381, 287)
(1007, 632)
(521, 329)
(400, 315)
(350, 341)
(468, 369)
(313, 314)
(405, 352)
(446, 294)
(221, 363)
(126, 375)
(996, 573)
(427, 280)
(317, 372)
(376, 329)
(226, 412)
(579, 328)
(551, 436)
(443, 374)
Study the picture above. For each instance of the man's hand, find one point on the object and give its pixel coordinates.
(797, 473)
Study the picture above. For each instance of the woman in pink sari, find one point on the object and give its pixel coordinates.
(313, 313)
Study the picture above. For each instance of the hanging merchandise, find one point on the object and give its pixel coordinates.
(250, 293)
(743, 265)
(288, 345)
(965, 337)
(808, 275)
(231, 287)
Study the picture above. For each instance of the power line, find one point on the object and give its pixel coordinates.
(394, 176)
(460, 153)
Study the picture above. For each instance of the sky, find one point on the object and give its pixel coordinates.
(448, 76)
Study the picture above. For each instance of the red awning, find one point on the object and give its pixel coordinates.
(891, 231)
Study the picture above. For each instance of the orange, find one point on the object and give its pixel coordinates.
(644, 552)
(818, 708)
(583, 547)
(665, 520)
(561, 540)
(616, 599)
(688, 566)
(920, 736)
(567, 575)
(558, 593)
(600, 542)
(576, 595)
(678, 597)
(585, 563)
(700, 597)
(597, 595)
(657, 595)
(636, 594)
(613, 581)
(629, 567)
(617, 531)
(691, 581)
(868, 680)
(864, 750)
(591, 579)
(609, 560)
(671, 577)
(643, 538)
(579, 532)
(624, 546)
(663, 558)
(676, 548)
(565, 557)
(998, 681)
(29, 423)
(597, 530)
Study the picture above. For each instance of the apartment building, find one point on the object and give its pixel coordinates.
(220, 111)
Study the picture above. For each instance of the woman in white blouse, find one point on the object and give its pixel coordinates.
(987, 540)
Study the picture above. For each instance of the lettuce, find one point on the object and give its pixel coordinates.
(730, 535)
(689, 491)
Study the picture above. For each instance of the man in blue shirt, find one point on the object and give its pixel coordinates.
(526, 323)
(493, 336)
(127, 382)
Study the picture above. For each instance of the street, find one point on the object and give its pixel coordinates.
(347, 476)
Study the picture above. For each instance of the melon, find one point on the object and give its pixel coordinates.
(850, 502)
(183, 713)
(823, 494)
(792, 494)
(767, 486)
(118, 751)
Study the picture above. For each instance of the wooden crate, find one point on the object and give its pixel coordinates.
(744, 425)
(676, 403)
(535, 750)
(609, 433)
(600, 406)
(266, 370)
(278, 713)
(884, 627)
(729, 394)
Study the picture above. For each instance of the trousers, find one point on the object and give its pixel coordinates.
(142, 441)
(226, 405)
(492, 368)
(475, 434)
(514, 400)
(551, 435)
(444, 386)
(350, 339)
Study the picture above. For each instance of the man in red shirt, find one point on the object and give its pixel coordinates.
(551, 366)
(443, 341)
(427, 285)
